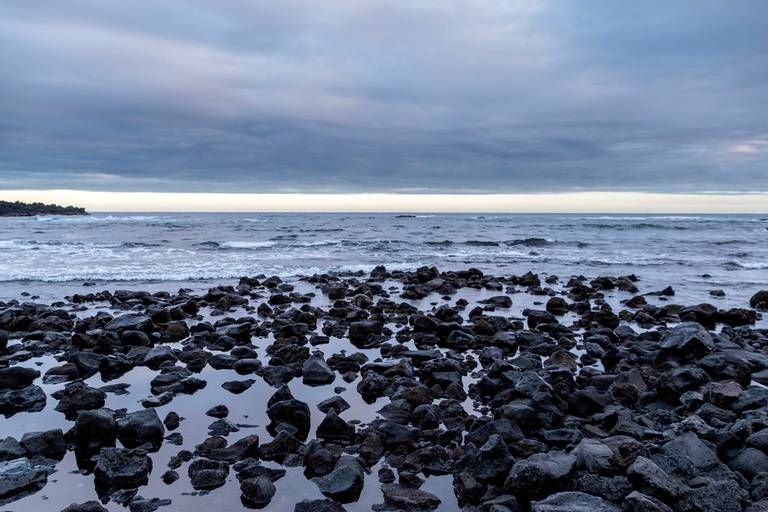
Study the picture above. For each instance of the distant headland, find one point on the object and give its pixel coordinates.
(19, 209)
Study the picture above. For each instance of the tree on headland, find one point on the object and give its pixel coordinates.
(19, 209)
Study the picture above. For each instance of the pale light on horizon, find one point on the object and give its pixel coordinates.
(566, 202)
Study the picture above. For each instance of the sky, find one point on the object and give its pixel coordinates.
(385, 96)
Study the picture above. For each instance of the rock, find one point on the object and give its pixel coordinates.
(131, 322)
(49, 444)
(17, 377)
(218, 411)
(466, 488)
(94, 429)
(491, 462)
(77, 397)
(19, 474)
(574, 502)
(10, 449)
(688, 338)
(206, 474)
(335, 430)
(759, 300)
(172, 420)
(238, 386)
(122, 468)
(318, 506)
(649, 478)
(406, 498)
(159, 355)
(637, 502)
(750, 462)
(291, 412)
(31, 398)
(716, 496)
(539, 474)
(345, 482)
(257, 491)
(335, 403)
(88, 506)
(316, 371)
(593, 455)
(141, 427)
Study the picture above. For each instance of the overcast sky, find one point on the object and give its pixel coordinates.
(434, 96)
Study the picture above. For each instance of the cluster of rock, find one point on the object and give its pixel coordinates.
(575, 409)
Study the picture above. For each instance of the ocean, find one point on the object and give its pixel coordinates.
(693, 253)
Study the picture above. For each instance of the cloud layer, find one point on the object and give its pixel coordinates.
(397, 96)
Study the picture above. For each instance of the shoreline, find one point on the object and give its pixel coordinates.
(468, 389)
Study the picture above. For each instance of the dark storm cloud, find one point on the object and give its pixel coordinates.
(361, 95)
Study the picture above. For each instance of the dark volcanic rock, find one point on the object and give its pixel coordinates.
(120, 468)
(208, 474)
(574, 502)
(345, 482)
(141, 427)
(17, 377)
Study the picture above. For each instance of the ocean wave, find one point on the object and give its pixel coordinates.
(745, 265)
(481, 243)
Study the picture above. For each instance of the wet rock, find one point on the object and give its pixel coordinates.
(573, 502)
(649, 478)
(218, 411)
(638, 502)
(141, 427)
(318, 506)
(172, 420)
(206, 474)
(292, 412)
(238, 386)
(345, 482)
(31, 398)
(258, 491)
(10, 449)
(335, 403)
(131, 322)
(714, 496)
(316, 371)
(94, 429)
(407, 498)
(688, 338)
(336, 430)
(88, 506)
(122, 468)
(20, 474)
(759, 300)
(539, 474)
(49, 444)
(77, 397)
(17, 377)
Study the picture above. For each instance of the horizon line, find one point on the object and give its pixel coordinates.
(581, 202)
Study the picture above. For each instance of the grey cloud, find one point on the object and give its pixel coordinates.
(360, 95)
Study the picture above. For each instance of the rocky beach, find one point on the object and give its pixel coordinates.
(384, 390)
